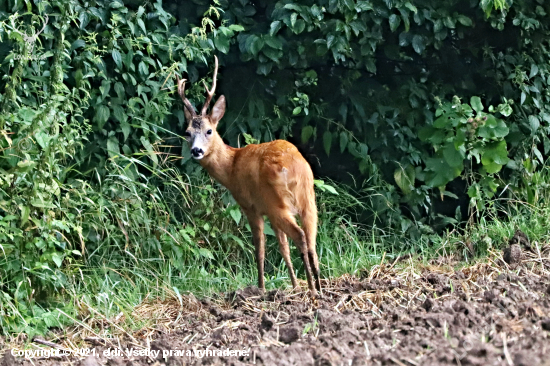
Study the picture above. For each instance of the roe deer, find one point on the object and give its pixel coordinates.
(271, 179)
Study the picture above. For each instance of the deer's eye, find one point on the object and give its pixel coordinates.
(209, 132)
(187, 134)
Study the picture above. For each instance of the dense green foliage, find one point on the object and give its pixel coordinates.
(419, 101)
(368, 80)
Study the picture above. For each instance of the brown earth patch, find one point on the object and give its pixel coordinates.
(397, 314)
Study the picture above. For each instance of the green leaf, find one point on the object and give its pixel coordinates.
(449, 22)
(140, 12)
(487, 6)
(460, 138)
(327, 141)
(102, 115)
(501, 130)
(439, 173)
(411, 7)
(394, 20)
(453, 157)
(404, 178)
(371, 66)
(363, 150)
(236, 214)
(307, 131)
(364, 5)
(537, 153)
(299, 26)
(26, 166)
(324, 187)
(256, 45)
(84, 19)
(274, 27)
(143, 69)
(42, 138)
(293, 19)
(494, 156)
(78, 44)
(343, 141)
(297, 110)
(236, 27)
(105, 88)
(534, 70)
(330, 189)
(116, 4)
(119, 114)
(330, 40)
(25, 213)
(274, 42)
(506, 110)
(117, 57)
(58, 259)
(464, 20)
(405, 17)
(222, 43)
(126, 129)
(437, 137)
(475, 102)
(40, 203)
(206, 253)
(149, 147)
(425, 133)
(273, 54)
(418, 44)
(493, 128)
(119, 89)
(264, 69)
(113, 148)
(443, 122)
(534, 123)
(142, 26)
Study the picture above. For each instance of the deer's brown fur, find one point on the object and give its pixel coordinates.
(270, 179)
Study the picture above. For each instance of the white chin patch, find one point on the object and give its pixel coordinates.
(198, 157)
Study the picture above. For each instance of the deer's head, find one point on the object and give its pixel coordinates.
(201, 131)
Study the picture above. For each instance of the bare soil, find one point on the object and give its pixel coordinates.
(399, 313)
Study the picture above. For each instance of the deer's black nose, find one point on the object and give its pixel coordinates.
(196, 152)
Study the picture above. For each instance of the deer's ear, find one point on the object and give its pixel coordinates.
(218, 111)
(188, 115)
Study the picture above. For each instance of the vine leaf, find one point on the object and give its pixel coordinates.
(327, 141)
(476, 104)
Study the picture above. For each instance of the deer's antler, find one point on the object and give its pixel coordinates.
(211, 91)
(181, 92)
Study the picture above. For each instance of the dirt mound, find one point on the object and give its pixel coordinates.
(480, 315)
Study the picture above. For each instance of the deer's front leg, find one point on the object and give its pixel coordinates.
(257, 226)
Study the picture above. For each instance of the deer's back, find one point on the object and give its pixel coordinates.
(271, 176)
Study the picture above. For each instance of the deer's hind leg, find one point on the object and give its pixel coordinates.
(287, 223)
(285, 252)
(309, 224)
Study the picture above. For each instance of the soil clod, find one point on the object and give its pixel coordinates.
(267, 322)
(289, 334)
(521, 239)
(512, 255)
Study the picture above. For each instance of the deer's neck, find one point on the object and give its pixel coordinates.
(219, 162)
